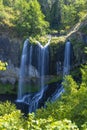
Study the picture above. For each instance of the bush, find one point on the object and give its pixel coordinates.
(71, 105)
(6, 108)
(49, 124)
(12, 121)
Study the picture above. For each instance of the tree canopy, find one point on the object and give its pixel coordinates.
(25, 16)
(33, 17)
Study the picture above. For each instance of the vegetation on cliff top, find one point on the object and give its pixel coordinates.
(37, 17)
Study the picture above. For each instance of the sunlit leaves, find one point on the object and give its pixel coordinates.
(6, 108)
(72, 104)
(3, 65)
(49, 123)
(12, 121)
(15, 120)
(85, 50)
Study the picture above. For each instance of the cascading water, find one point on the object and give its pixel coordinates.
(39, 59)
(66, 70)
(43, 65)
(23, 71)
(32, 99)
(30, 58)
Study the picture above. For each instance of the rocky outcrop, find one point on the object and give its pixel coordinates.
(9, 51)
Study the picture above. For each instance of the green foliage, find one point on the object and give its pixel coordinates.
(84, 77)
(29, 19)
(7, 88)
(78, 47)
(68, 15)
(3, 65)
(6, 108)
(9, 3)
(49, 124)
(84, 126)
(83, 29)
(56, 14)
(63, 13)
(59, 115)
(13, 121)
(26, 17)
(1, 11)
(71, 105)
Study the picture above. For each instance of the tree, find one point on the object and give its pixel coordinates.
(56, 12)
(68, 17)
(29, 19)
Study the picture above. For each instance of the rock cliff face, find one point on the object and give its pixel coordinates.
(10, 53)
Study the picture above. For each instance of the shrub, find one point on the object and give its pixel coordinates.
(12, 121)
(49, 124)
(6, 108)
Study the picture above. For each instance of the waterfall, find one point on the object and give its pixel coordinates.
(25, 93)
(36, 58)
(66, 70)
(30, 58)
(43, 66)
(23, 71)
